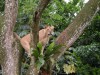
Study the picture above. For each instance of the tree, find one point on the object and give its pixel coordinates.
(10, 49)
(10, 65)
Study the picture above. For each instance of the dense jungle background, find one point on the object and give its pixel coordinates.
(83, 57)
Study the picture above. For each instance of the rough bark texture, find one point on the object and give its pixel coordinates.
(75, 29)
(35, 34)
(10, 64)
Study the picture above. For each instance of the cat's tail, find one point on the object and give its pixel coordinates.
(16, 36)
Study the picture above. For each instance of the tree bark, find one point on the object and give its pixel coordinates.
(11, 58)
(75, 29)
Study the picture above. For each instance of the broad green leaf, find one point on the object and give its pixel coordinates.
(50, 48)
(39, 45)
(35, 53)
(40, 62)
(56, 48)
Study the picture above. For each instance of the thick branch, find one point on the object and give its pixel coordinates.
(37, 15)
(35, 34)
(75, 29)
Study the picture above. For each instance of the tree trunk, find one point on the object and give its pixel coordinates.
(10, 63)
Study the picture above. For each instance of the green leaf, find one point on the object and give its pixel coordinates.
(57, 17)
(56, 48)
(39, 45)
(50, 48)
(40, 62)
(35, 53)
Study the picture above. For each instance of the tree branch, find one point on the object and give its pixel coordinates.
(36, 19)
(75, 29)
(35, 34)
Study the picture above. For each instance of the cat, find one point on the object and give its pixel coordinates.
(44, 36)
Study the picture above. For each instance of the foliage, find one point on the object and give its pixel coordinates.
(2, 2)
(25, 15)
(69, 68)
(51, 49)
(85, 58)
(87, 55)
(27, 6)
(87, 51)
(43, 58)
(91, 33)
(60, 14)
(66, 64)
(88, 59)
